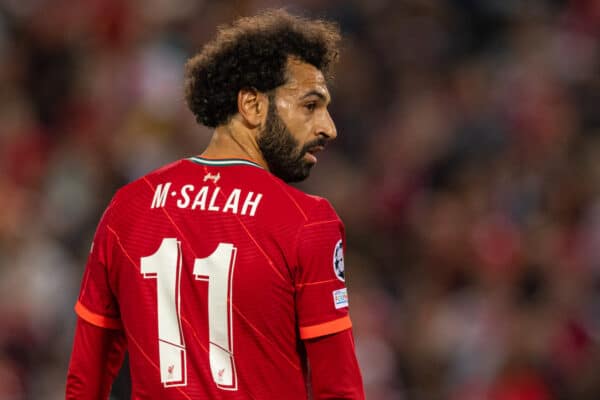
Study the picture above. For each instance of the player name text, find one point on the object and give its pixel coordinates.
(207, 198)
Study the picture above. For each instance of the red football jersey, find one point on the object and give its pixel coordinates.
(216, 270)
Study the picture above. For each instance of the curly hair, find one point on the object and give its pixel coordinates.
(253, 53)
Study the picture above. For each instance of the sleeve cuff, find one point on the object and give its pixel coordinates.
(96, 319)
(326, 328)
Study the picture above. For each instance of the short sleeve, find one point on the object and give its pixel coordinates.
(321, 294)
(96, 303)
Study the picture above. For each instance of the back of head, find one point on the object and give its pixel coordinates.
(252, 53)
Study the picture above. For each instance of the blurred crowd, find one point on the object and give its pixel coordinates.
(466, 171)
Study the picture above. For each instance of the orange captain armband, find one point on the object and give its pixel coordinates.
(95, 319)
(326, 328)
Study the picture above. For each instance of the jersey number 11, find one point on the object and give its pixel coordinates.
(165, 266)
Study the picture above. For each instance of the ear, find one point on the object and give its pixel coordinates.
(252, 106)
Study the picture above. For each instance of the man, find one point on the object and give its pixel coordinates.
(219, 279)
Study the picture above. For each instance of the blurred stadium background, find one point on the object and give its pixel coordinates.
(466, 170)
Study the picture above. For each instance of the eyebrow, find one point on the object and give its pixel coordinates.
(314, 93)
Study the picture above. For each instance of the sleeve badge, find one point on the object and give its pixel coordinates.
(338, 261)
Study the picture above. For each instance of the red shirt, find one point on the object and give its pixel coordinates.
(215, 269)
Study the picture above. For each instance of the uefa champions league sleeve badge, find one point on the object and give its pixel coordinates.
(338, 261)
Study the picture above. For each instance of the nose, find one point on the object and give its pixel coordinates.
(326, 127)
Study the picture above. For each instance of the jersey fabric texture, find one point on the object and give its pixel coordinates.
(216, 270)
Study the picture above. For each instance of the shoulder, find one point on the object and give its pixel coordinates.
(145, 186)
(314, 208)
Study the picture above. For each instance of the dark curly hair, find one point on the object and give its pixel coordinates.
(253, 53)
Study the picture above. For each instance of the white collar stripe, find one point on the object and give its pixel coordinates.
(224, 162)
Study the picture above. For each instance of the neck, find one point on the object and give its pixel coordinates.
(234, 141)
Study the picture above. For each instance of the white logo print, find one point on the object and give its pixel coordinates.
(214, 178)
(338, 261)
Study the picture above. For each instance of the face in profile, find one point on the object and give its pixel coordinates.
(298, 124)
(283, 153)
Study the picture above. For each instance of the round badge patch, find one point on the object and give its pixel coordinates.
(338, 260)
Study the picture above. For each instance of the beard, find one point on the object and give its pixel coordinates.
(281, 151)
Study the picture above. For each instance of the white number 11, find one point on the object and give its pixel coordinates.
(217, 269)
